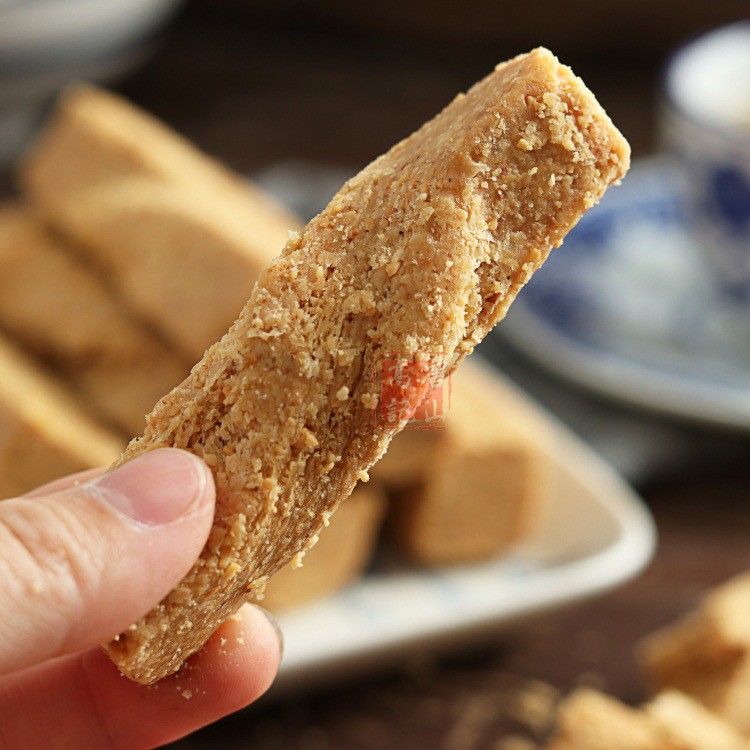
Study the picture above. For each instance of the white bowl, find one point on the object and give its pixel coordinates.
(41, 34)
(45, 44)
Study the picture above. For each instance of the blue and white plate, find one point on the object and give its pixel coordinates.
(628, 308)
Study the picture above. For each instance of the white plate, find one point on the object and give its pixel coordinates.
(627, 308)
(593, 534)
(42, 35)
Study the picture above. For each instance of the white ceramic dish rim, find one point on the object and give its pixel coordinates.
(33, 28)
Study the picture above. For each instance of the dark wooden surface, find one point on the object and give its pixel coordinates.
(255, 88)
(254, 91)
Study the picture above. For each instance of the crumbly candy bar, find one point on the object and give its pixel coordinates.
(180, 238)
(590, 720)
(339, 557)
(706, 654)
(478, 489)
(416, 258)
(59, 309)
(691, 726)
(44, 433)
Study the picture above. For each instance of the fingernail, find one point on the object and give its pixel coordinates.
(275, 624)
(155, 488)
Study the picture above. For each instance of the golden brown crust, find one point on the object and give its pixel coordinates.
(417, 258)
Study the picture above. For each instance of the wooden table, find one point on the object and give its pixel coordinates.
(255, 97)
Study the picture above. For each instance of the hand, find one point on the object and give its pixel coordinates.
(80, 560)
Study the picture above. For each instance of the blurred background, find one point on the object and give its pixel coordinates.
(630, 339)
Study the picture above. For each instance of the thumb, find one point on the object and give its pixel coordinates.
(80, 565)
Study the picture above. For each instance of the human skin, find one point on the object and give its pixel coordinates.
(79, 560)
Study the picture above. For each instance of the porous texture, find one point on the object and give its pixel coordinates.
(416, 258)
(44, 433)
(343, 551)
(478, 489)
(706, 654)
(180, 238)
(59, 309)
